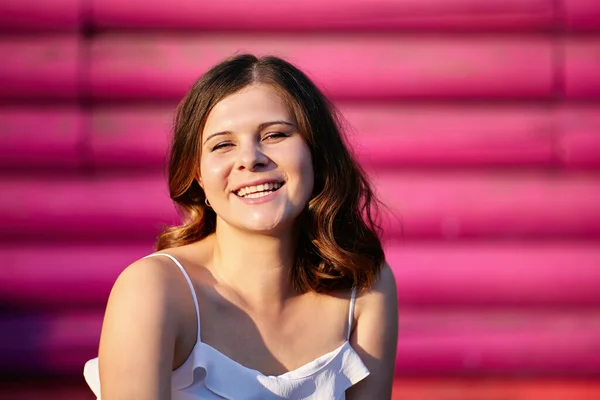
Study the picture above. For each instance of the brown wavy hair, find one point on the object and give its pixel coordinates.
(338, 232)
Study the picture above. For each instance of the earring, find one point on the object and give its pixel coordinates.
(206, 202)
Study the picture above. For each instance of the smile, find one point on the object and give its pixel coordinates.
(254, 192)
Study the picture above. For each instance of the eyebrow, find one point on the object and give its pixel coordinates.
(261, 127)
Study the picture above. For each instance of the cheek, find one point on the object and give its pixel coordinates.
(305, 167)
(213, 172)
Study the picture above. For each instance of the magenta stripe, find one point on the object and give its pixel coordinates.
(501, 274)
(332, 14)
(583, 15)
(44, 67)
(582, 63)
(387, 66)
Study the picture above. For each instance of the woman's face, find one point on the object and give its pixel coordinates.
(255, 169)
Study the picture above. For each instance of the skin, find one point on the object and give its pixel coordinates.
(249, 311)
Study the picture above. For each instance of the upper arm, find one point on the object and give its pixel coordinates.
(375, 337)
(138, 335)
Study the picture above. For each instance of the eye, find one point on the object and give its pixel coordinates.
(275, 136)
(221, 145)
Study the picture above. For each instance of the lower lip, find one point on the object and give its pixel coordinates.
(258, 200)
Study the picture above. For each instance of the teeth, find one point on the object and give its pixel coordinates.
(253, 192)
(257, 195)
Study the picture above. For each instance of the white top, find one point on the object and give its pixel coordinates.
(209, 374)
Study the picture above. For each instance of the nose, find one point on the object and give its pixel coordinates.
(251, 157)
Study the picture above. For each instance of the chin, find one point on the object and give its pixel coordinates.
(265, 224)
(266, 227)
(263, 220)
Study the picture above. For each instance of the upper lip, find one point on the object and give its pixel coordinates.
(258, 182)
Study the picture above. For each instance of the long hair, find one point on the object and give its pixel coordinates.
(338, 233)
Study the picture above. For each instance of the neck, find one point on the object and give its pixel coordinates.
(257, 267)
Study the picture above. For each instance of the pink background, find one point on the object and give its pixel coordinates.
(479, 122)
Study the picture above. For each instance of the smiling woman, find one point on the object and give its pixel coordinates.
(257, 142)
(279, 250)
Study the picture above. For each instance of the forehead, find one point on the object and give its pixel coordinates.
(248, 108)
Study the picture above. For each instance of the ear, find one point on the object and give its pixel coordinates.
(199, 180)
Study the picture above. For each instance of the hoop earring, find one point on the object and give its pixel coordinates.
(207, 203)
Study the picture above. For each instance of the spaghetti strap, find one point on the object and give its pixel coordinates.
(351, 313)
(190, 284)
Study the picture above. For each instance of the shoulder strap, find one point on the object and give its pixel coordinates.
(190, 284)
(351, 313)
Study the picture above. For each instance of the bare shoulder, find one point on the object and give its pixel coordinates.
(150, 288)
(382, 293)
(153, 280)
(375, 337)
(140, 328)
(386, 281)
(145, 268)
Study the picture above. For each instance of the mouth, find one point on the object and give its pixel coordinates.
(254, 192)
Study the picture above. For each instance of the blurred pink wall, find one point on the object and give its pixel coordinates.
(479, 122)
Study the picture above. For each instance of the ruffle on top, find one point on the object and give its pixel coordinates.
(209, 374)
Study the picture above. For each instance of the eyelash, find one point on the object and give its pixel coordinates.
(220, 146)
(275, 135)
(267, 136)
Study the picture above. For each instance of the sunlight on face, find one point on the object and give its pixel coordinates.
(255, 168)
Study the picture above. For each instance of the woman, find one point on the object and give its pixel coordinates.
(276, 284)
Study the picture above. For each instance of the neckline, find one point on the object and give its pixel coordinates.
(303, 371)
(197, 306)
